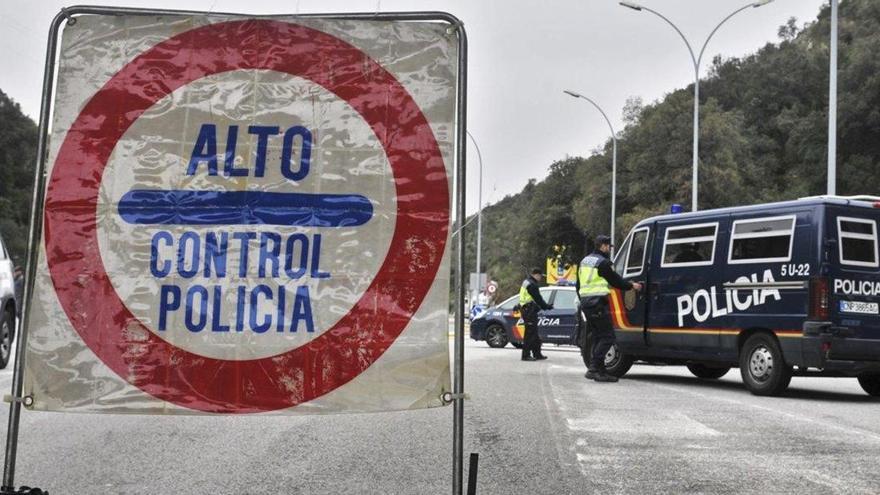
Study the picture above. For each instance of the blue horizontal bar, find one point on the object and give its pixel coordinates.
(152, 207)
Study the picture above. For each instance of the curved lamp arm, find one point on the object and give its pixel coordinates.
(578, 95)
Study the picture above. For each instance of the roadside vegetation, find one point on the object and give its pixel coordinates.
(18, 150)
(763, 137)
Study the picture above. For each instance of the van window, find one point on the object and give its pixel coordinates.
(691, 245)
(761, 239)
(620, 255)
(858, 241)
(635, 260)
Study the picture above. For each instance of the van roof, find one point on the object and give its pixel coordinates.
(857, 201)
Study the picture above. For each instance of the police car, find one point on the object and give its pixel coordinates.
(7, 305)
(501, 324)
(781, 289)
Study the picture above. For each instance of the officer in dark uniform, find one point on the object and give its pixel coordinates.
(595, 274)
(530, 302)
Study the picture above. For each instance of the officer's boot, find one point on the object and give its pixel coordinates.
(539, 355)
(603, 376)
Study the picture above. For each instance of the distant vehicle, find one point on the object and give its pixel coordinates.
(8, 305)
(498, 324)
(781, 289)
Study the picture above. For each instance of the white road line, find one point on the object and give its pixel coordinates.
(585, 423)
(696, 427)
(672, 425)
(823, 479)
(561, 453)
(589, 414)
(852, 431)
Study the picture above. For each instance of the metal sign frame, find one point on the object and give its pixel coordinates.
(460, 158)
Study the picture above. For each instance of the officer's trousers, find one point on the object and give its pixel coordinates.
(531, 339)
(601, 335)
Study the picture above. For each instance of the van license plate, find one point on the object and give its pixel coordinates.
(859, 307)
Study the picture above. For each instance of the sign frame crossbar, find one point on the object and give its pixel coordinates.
(455, 26)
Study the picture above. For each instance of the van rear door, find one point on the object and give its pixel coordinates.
(854, 273)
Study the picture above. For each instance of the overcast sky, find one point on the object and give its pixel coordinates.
(521, 57)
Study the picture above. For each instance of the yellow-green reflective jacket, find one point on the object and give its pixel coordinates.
(591, 283)
(524, 296)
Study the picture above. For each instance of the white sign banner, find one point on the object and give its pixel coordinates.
(246, 216)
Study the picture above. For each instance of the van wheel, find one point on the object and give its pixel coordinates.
(7, 327)
(708, 372)
(496, 336)
(616, 362)
(761, 365)
(870, 382)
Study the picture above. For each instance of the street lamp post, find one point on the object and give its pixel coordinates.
(832, 105)
(479, 213)
(613, 158)
(696, 60)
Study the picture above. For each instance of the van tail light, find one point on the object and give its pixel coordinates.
(820, 299)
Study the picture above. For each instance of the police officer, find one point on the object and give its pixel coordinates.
(595, 274)
(530, 302)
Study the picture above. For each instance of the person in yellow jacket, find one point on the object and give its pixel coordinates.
(530, 302)
(595, 274)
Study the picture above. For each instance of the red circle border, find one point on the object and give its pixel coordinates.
(333, 358)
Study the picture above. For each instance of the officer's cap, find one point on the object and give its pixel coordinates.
(603, 239)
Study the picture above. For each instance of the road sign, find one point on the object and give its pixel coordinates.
(559, 273)
(244, 216)
(492, 287)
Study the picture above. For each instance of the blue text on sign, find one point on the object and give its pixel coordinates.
(205, 151)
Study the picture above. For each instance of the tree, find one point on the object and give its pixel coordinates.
(763, 138)
(18, 145)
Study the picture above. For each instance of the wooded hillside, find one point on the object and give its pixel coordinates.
(18, 149)
(763, 137)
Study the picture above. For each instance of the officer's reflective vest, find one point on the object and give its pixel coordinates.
(592, 284)
(524, 296)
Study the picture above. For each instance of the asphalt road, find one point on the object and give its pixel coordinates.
(539, 427)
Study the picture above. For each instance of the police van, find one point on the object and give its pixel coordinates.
(780, 289)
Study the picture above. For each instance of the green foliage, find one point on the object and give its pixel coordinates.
(18, 144)
(763, 137)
